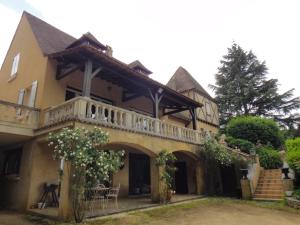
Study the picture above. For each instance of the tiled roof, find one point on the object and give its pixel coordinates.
(49, 38)
(182, 81)
(138, 64)
(89, 37)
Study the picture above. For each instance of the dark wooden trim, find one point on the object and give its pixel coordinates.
(194, 119)
(124, 70)
(175, 111)
(63, 71)
(126, 96)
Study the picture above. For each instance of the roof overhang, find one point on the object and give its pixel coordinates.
(83, 52)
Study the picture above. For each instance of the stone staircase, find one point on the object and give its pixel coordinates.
(270, 186)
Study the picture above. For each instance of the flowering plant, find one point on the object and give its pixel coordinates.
(90, 161)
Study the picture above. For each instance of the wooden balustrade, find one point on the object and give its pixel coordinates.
(91, 111)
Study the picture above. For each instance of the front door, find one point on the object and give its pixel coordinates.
(181, 186)
(139, 174)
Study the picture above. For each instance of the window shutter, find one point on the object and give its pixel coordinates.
(15, 64)
(20, 100)
(32, 94)
(21, 96)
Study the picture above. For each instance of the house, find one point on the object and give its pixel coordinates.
(50, 80)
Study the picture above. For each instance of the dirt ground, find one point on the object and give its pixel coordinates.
(231, 214)
(213, 212)
(205, 212)
(15, 218)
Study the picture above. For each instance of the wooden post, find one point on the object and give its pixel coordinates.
(194, 117)
(87, 78)
(89, 74)
(156, 98)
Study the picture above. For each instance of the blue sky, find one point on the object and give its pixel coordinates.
(19, 6)
(166, 34)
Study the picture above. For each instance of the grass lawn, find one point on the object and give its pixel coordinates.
(208, 211)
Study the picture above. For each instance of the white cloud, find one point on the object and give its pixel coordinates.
(192, 33)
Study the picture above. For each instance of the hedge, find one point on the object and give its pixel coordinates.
(243, 145)
(293, 153)
(255, 129)
(269, 158)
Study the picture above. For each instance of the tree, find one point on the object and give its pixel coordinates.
(242, 88)
(90, 161)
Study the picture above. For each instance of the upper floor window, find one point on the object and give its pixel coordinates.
(15, 65)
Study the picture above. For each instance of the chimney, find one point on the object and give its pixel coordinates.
(109, 51)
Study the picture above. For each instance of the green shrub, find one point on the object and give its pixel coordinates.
(296, 194)
(293, 144)
(293, 159)
(269, 158)
(255, 129)
(243, 145)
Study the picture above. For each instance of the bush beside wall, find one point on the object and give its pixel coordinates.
(255, 129)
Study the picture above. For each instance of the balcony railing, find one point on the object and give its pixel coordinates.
(98, 113)
(19, 115)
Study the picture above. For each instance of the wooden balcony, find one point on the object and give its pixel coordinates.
(85, 110)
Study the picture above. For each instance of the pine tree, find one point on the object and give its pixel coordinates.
(242, 88)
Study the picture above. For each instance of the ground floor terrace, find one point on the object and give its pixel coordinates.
(205, 211)
(32, 167)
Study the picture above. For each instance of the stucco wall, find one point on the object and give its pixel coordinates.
(44, 169)
(14, 193)
(37, 167)
(32, 66)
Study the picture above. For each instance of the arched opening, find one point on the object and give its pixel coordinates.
(135, 176)
(185, 180)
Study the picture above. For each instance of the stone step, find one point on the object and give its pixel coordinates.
(269, 185)
(269, 196)
(269, 181)
(267, 199)
(269, 189)
(268, 192)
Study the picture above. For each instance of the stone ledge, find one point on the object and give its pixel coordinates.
(294, 203)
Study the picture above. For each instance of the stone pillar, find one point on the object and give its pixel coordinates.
(246, 189)
(200, 180)
(157, 184)
(288, 185)
(80, 108)
(65, 201)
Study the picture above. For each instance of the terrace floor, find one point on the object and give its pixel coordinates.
(124, 205)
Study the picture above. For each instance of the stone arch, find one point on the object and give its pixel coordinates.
(190, 154)
(188, 176)
(136, 177)
(137, 147)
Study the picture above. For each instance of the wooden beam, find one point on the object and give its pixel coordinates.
(175, 111)
(88, 68)
(194, 117)
(96, 71)
(126, 96)
(65, 70)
